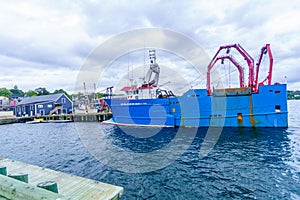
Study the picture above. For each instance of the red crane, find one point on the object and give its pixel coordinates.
(248, 58)
(238, 66)
(264, 50)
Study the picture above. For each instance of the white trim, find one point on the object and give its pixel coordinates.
(110, 122)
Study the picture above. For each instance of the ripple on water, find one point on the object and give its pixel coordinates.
(244, 164)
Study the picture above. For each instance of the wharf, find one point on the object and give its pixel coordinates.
(91, 117)
(7, 117)
(8, 120)
(68, 186)
(81, 117)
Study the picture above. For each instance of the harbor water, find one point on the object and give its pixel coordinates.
(246, 163)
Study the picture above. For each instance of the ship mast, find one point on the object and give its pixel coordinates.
(153, 70)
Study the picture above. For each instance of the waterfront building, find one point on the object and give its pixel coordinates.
(44, 105)
(4, 102)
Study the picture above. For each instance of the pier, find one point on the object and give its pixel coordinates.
(19, 180)
(92, 117)
(82, 117)
(8, 120)
(7, 117)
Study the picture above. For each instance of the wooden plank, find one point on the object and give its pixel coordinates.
(13, 189)
(71, 186)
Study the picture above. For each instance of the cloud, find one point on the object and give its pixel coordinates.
(29, 76)
(57, 36)
(43, 32)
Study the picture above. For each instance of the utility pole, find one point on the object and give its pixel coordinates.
(94, 91)
(86, 99)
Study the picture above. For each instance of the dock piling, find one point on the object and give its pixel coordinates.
(3, 170)
(19, 176)
(49, 185)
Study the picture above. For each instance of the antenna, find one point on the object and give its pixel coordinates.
(152, 56)
(86, 98)
(94, 90)
(128, 66)
(153, 70)
(144, 60)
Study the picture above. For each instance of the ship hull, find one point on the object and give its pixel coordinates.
(224, 108)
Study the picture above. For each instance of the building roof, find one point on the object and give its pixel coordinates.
(40, 99)
(15, 96)
(3, 97)
(127, 88)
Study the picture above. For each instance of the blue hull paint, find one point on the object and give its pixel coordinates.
(230, 108)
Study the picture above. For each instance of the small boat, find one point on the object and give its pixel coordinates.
(258, 103)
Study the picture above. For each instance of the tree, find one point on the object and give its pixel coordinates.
(5, 92)
(78, 96)
(15, 90)
(30, 93)
(62, 91)
(293, 94)
(100, 95)
(41, 91)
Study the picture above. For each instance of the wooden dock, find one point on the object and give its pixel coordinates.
(8, 120)
(68, 186)
(92, 117)
(7, 117)
(82, 117)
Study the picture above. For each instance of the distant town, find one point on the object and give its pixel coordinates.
(293, 95)
(10, 98)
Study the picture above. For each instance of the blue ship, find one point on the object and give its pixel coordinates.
(258, 103)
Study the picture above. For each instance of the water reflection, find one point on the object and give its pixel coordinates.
(245, 163)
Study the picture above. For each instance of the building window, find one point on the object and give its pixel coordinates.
(40, 106)
(63, 100)
(49, 105)
(31, 107)
(23, 108)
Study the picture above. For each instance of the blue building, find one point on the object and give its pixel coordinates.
(17, 97)
(44, 105)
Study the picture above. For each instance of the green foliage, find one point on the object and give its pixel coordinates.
(78, 96)
(5, 92)
(293, 94)
(62, 91)
(15, 90)
(100, 95)
(41, 91)
(30, 93)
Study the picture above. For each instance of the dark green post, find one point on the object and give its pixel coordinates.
(3, 171)
(21, 177)
(49, 185)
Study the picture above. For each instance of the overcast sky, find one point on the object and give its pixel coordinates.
(45, 43)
